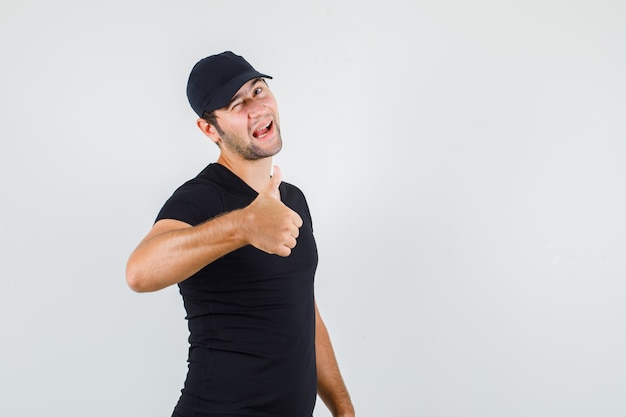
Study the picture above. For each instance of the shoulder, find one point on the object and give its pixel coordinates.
(195, 201)
(206, 183)
(289, 191)
(195, 186)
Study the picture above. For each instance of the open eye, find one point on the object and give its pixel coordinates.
(258, 91)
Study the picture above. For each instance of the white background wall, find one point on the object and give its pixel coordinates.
(464, 162)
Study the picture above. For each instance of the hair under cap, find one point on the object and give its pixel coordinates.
(214, 80)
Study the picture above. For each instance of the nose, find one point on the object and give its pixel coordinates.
(256, 109)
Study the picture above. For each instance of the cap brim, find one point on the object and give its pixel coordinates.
(223, 96)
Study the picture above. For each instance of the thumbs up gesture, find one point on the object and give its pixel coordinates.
(272, 226)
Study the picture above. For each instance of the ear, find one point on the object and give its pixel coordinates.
(208, 129)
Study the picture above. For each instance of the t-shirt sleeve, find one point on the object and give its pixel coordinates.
(192, 203)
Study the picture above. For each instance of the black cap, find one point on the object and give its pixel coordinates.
(214, 81)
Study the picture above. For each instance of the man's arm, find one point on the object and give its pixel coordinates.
(173, 250)
(330, 385)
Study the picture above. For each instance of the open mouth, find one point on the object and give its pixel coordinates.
(263, 131)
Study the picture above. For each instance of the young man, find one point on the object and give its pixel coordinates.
(239, 244)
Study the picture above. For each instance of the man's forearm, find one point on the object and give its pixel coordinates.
(330, 387)
(174, 251)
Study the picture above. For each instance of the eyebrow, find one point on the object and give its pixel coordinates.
(239, 94)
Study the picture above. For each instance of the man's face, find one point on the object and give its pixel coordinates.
(248, 126)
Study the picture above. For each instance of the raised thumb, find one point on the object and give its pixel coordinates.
(275, 180)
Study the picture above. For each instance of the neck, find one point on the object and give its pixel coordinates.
(254, 173)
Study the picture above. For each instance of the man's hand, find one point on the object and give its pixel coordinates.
(272, 226)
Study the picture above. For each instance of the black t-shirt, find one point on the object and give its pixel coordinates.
(251, 315)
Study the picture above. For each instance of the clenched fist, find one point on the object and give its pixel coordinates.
(272, 226)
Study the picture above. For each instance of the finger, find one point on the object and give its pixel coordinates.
(275, 180)
(297, 220)
(277, 175)
(291, 243)
(284, 251)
